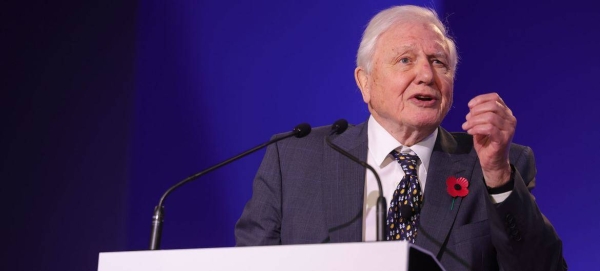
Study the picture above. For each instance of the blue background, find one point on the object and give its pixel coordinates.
(106, 105)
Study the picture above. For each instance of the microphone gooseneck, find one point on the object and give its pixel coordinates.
(301, 130)
(339, 127)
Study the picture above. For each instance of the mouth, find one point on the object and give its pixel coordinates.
(425, 97)
(425, 100)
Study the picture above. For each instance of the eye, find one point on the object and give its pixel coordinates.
(438, 63)
(404, 60)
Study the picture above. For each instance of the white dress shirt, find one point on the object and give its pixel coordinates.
(380, 144)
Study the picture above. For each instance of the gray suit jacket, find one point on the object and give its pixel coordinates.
(305, 192)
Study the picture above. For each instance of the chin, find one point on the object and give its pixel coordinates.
(425, 120)
(426, 126)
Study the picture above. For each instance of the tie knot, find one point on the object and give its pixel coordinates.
(408, 161)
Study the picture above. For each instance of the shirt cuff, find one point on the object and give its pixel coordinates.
(499, 198)
(500, 194)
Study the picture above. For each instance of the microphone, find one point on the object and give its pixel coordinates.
(301, 130)
(337, 128)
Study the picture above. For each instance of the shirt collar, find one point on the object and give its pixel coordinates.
(381, 143)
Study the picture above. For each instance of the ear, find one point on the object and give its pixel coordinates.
(362, 81)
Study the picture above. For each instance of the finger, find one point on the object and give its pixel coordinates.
(490, 106)
(489, 118)
(485, 98)
(502, 126)
(489, 130)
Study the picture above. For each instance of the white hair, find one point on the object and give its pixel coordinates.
(399, 14)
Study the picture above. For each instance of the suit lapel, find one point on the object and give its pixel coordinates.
(437, 217)
(343, 185)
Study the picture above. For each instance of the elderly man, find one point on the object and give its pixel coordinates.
(463, 196)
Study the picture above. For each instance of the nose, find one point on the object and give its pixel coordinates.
(424, 73)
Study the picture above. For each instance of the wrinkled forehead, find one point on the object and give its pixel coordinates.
(414, 36)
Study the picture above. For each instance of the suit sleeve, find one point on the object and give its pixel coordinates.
(524, 239)
(260, 223)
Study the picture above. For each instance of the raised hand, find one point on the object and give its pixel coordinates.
(492, 125)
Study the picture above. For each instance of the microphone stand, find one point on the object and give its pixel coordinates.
(157, 219)
(337, 128)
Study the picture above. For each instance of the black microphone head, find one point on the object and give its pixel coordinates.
(339, 126)
(302, 130)
(406, 212)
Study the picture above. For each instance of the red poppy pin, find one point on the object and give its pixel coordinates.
(457, 187)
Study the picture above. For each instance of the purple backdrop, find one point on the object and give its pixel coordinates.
(107, 105)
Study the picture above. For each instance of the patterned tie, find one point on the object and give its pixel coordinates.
(405, 207)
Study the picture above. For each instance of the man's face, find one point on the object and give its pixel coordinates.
(410, 84)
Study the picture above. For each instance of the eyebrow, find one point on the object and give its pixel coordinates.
(440, 54)
(409, 47)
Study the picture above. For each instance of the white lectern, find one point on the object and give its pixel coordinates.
(401, 255)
